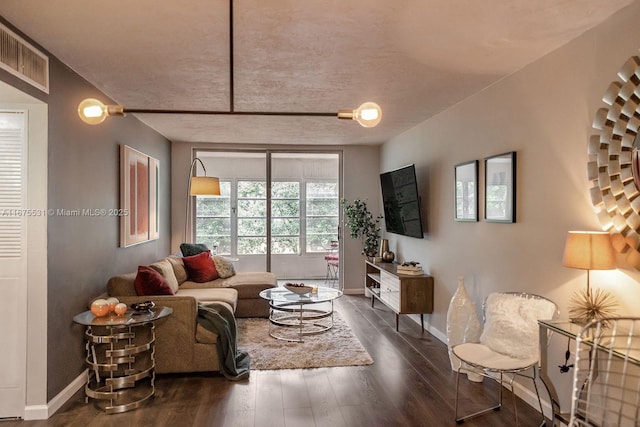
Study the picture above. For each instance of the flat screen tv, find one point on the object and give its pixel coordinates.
(401, 202)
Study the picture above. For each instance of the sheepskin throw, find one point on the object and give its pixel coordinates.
(511, 323)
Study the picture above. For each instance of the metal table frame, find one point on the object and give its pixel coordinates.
(290, 310)
(120, 353)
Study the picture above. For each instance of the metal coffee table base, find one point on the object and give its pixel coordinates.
(291, 321)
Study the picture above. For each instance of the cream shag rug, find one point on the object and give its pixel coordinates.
(336, 347)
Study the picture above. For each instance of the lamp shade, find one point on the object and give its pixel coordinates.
(204, 186)
(589, 250)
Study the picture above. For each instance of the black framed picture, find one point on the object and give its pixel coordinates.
(500, 188)
(466, 191)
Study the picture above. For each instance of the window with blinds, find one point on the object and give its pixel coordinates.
(12, 212)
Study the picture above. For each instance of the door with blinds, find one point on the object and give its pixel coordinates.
(13, 262)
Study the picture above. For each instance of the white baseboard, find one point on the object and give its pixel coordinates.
(43, 412)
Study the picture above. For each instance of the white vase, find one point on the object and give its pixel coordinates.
(463, 325)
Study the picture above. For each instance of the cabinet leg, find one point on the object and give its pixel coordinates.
(422, 322)
(397, 320)
(372, 300)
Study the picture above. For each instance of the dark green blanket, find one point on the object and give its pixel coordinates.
(218, 319)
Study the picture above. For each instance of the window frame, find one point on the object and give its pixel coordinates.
(302, 217)
(307, 216)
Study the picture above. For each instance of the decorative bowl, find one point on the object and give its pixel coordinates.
(299, 289)
(141, 307)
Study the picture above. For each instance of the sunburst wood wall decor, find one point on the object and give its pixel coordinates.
(612, 154)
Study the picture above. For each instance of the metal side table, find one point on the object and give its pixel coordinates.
(120, 358)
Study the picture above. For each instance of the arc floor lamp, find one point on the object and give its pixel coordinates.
(198, 186)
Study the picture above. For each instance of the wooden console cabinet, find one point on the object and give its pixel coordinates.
(404, 294)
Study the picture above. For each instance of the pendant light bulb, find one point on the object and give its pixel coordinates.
(368, 114)
(92, 111)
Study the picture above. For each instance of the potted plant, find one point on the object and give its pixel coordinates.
(362, 225)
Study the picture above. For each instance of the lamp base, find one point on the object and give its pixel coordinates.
(587, 306)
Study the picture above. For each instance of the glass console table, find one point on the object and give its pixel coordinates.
(570, 330)
(565, 328)
(120, 358)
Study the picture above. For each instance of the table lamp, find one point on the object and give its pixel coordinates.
(590, 250)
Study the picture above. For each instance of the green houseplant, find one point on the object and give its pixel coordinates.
(362, 225)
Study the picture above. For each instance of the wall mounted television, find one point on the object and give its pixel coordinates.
(401, 202)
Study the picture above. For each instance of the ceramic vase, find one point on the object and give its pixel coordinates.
(384, 247)
(463, 325)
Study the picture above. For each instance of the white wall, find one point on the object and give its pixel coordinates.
(544, 113)
(361, 181)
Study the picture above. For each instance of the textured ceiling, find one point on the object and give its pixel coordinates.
(415, 58)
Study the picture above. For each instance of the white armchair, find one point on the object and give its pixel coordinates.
(508, 345)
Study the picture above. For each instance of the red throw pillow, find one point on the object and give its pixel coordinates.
(150, 282)
(200, 267)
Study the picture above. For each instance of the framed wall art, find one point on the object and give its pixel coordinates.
(466, 191)
(500, 188)
(139, 220)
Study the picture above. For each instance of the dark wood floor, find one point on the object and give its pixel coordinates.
(410, 384)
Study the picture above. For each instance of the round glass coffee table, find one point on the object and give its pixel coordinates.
(293, 316)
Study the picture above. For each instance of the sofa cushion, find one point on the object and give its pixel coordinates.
(250, 278)
(122, 285)
(178, 268)
(249, 285)
(226, 295)
(149, 282)
(200, 267)
(190, 249)
(165, 268)
(224, 266)
(189, 284)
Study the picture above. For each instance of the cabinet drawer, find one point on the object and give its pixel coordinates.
(390, 290)
(389, 281)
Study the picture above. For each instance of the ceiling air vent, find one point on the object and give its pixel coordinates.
(23, 60)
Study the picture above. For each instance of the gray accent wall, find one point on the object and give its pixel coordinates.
(83, 173)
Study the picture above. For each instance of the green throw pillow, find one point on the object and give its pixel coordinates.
(190, 249)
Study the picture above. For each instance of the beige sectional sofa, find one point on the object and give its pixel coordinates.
(182, 345)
